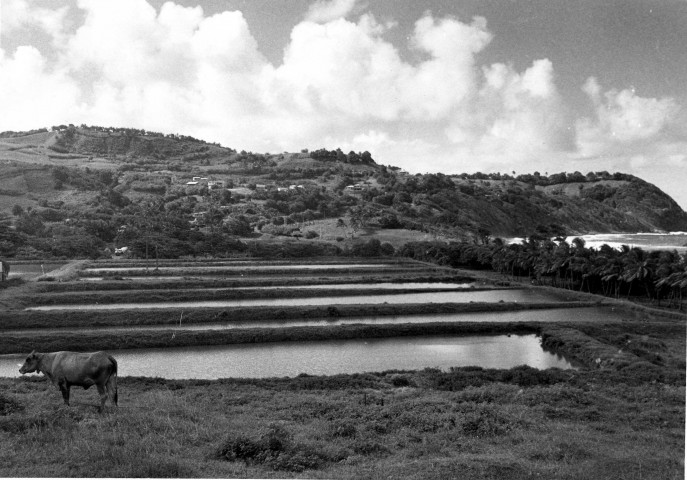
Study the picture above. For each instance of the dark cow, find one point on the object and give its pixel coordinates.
(66, 369)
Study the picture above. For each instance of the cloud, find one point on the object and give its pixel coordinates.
(340, 83)
(626, 132)
(323, 11)
(513, 119)
(179, 70)
(31, 94)
(22, 14)
(622, 118)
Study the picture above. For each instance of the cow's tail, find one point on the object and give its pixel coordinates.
(112, 381)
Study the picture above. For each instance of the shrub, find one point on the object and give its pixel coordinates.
(342, 429)
(239, 448)
(484, 423)
(9, 405)
(273, 448)
(297, 461)
(400, 381)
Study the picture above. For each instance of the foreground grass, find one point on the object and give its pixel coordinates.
(468, 423)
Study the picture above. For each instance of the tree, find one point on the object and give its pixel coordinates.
(483, 234)
(29, 223)
(238, 225)
(637, 268)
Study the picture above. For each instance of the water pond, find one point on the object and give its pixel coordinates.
(462, 296)
(248, 268)
(327, 357)
(323, 286)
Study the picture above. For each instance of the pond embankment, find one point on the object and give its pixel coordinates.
(170, 316)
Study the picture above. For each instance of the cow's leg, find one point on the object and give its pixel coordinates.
(64, 388)
(103, 396)
(111, 387)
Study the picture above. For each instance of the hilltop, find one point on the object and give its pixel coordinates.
(98, 185)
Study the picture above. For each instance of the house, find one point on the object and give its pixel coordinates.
(198, 180)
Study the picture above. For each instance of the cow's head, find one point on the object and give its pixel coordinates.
(31, 363)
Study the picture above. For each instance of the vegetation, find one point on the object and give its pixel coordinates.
(656, 275)
(115, 187)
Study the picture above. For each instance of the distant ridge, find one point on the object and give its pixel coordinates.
(69, 169)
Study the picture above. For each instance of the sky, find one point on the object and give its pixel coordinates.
(446, 86)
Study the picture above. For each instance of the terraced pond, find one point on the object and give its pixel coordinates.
(407, 287)
(510, 295)
(553, 315)
(247, 268)
(327, 357)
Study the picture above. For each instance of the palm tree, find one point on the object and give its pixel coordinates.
(637, 267)
(677, 282)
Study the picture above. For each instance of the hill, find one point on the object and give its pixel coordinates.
(95, 186)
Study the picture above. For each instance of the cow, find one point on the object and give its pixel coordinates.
(67, 369)
(4, 271)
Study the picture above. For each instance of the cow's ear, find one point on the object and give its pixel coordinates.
(32, 354)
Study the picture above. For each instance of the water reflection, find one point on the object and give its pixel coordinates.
(327, 357)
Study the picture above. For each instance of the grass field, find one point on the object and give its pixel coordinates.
(468, 423)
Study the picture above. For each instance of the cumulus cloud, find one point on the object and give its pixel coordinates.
(622, 118)
(340, 83)
(18, 14)
(513, 118)
(641, 135)
(31, 93)
(627, 132)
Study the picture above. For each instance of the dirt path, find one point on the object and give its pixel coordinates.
(15, 289)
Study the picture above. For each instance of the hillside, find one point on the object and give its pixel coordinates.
(94, 183)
